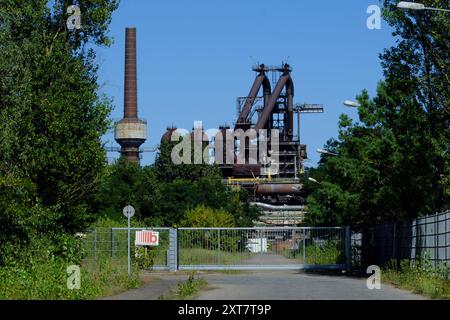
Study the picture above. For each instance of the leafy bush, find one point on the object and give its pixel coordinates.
(204, 217)
(326, 253)
(145, 258)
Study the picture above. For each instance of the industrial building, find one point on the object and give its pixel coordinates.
(269, 108)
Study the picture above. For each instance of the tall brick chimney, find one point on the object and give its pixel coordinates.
(130, 132)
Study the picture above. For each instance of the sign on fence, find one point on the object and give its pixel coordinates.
(147, 238)
(257, 245)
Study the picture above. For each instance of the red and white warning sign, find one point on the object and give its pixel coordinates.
(147, 238)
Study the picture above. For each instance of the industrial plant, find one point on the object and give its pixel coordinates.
(269, 107)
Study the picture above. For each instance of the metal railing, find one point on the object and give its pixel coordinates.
(112, 243)
(261, 248)
(227, 248)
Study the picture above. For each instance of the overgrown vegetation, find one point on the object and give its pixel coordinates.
(320, 254)
(51, 158)
(171, 200)
(39, 271)
(54, 182)
(186, 290)
(199, 256)
(394, 163)
(420, 276)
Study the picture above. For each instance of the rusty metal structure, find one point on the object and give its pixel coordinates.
(277, 193)
(130, 132)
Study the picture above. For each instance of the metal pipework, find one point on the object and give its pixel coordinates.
(279, 188)
(277, 208)
(261, 80)
(285, 80)
(130, 97)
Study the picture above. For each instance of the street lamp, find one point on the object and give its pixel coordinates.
(327, 153)
(405, 5)
(352, 104)
(313, 180)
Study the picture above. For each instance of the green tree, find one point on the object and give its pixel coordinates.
(394, 164)
(168, 171)
(52, 114)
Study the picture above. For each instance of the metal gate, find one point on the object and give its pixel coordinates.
(263, 248)
(241, 248)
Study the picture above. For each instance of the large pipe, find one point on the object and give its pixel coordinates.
(279, 188)
(261, 80)
(268, 108)
(130, 97)
(290, 106)
(277, 208)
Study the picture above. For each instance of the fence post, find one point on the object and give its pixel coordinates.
(218, 246)
(436, 240)
(304, 246)
(394, 240)
(348, 244)
(172, 259)
(95, 244)
(112, 243)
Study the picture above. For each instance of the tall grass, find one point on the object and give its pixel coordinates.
(47, 280)
(420, 276)
(186, 290)
(319, 254)
(200, 256)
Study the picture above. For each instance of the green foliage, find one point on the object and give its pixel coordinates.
(52, 120)
(126, 183)
(395, 163)
(145, 257)
(189, 288)
(200, 256)
(202, 216)
(167, 171)
(327, 253)
(47, 280)
(419, 276)
(38, 270)
(186, 290)
(51, 156)
(161, 202)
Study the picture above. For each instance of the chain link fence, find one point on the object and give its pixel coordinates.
(112, 243)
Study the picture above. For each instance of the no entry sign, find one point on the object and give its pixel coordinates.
(147, 238)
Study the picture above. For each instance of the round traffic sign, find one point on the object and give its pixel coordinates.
(128, 211)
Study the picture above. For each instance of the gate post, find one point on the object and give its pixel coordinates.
(172, 259)
(348, 245)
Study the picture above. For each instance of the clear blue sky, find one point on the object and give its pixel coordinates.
(194, 59)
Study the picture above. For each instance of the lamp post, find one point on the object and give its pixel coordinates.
(406, 5)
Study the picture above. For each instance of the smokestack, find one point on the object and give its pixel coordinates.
(130, 132)
(130, 101)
